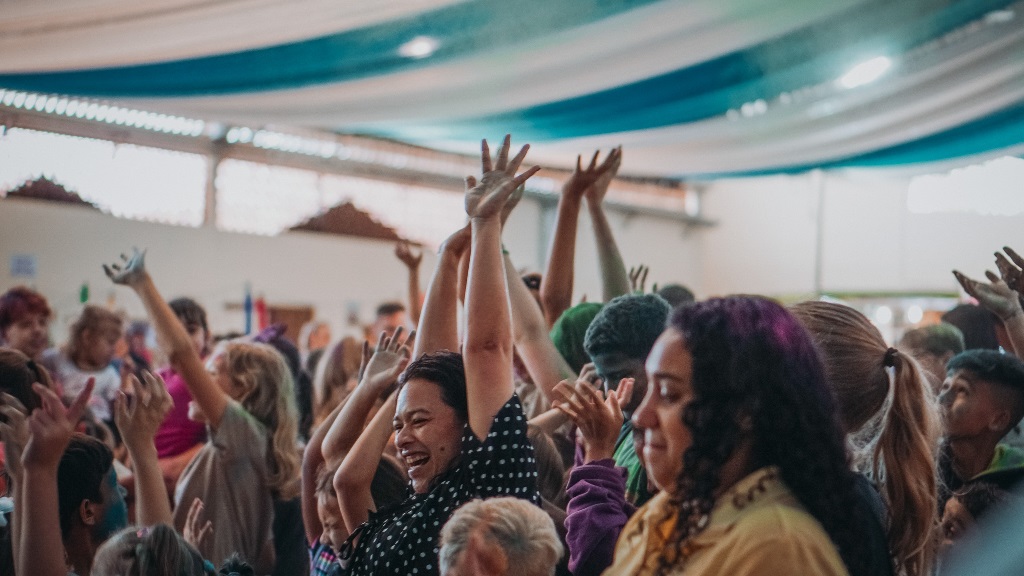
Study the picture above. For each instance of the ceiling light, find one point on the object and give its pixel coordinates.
(419, 47)
(866, 72)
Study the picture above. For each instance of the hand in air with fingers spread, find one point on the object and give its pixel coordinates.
(390, 357)
(51, 427)
(140, 409)
(1011, 268)
(486, 199)
(993, 295)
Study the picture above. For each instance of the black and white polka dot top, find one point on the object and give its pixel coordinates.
(404, 539)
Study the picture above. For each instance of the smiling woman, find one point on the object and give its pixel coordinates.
(741, 437)
(458, 426)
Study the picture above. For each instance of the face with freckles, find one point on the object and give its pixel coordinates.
(660, 415)
(428, 432)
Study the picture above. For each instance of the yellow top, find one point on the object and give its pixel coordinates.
(757, 528)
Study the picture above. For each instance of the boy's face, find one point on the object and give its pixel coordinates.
(612, 367)
(970, 406)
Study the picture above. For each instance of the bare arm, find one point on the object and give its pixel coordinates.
(614, 279)
(488, 349)
(1002, 301)
(412, 262)
(50, 429)
(354, 476)
(139, 412)
(438, 328)
(382, 370)
(312, 459)
(530, 332)
(173, 337)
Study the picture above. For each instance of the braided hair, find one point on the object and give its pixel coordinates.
(756, 374)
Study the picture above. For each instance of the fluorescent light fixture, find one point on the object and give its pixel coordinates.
(419, 47)
(866, 72)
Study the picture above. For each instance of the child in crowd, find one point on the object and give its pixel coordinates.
(244, 395)
(90, 349)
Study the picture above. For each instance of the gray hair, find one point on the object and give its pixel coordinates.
(524, 532)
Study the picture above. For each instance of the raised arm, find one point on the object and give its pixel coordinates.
(140, 409)
(50, 430)
(353, 479)
(381, 372)
(355, 474)
(403, 251)
(172, 336)
(530, 333)
(614, 280)
(439, 325)
(487, 352)
(312, 460)
(1002, 301)
(557, 281)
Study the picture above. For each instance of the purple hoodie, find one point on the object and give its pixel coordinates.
(596, 514)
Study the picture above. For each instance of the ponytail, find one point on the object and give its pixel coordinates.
(904, 464)
(891, 424)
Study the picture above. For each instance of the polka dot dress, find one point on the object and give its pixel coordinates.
(404, 539)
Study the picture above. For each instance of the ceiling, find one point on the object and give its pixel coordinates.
(702, 88)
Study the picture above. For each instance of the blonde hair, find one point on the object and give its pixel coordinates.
(339, 364)
(267, 393)
(893, 425)
(93, 319)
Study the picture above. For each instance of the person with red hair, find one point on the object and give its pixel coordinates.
(24, 321)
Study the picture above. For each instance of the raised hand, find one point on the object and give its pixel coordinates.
(596, 192)
(404, 252)
(486, 198)
(13, 432)
(598, 418)
(456, 244)
(141, 409)
(130, 271)
(582, 178)
(389, 359)
(994, 295)
(194, 531)
(638, 278)
(1011, 268)
(51, 427)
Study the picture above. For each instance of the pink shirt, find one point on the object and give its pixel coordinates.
(177, 433)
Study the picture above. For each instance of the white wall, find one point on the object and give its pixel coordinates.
(766, 238)
(764, 242)
(70, 244)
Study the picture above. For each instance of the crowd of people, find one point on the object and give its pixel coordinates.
(642, 434)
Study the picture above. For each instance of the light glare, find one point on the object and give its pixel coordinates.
(866, 72)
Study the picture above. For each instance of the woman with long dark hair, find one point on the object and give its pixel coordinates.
(741, 435)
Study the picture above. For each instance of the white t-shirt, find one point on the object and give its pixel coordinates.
(72, 380)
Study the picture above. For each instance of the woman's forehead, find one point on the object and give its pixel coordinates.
(420, 394)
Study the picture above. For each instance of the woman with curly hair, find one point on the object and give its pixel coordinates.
(892, 422)
(740, 434)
